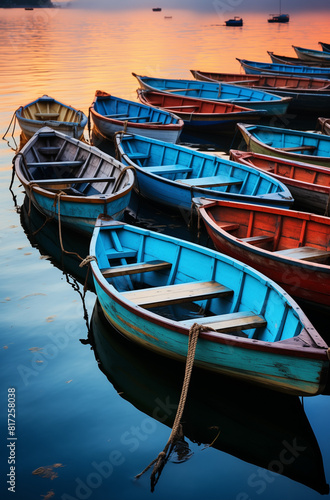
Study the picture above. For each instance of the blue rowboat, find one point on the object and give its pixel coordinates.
(172, 175)
(111, 114)
(256, 68)
(153, 288)
(48, 112)
(71, 181)
(223, 92)
(311, 54)
(296, 145)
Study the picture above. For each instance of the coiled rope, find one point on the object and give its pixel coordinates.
(176, 433)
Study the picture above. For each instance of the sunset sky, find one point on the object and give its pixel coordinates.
(234, 6)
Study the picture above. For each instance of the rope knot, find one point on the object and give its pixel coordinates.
(87, 260)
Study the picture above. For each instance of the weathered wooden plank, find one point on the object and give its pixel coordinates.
(45, 164)
(140, 267)
(229, 227)
(176, 294)
(226, 323)
(299, 148)
(120, 254)
(254, 240)
(215, 180)
(49, 150)
(72, 180)
(47, 116)
(304, 253)
(168, 169)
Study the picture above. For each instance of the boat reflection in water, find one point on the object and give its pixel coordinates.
(44, 235)
(252, 424)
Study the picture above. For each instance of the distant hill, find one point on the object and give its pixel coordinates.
(25, 3)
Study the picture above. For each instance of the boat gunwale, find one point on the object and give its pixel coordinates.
(320, 188)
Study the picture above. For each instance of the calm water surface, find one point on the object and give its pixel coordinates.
(91, 410)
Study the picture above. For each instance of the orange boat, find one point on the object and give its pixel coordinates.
(200, 113)
(309, 184)
(290, 247)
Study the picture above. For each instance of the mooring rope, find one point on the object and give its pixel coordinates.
(176, 432)
(14, 117)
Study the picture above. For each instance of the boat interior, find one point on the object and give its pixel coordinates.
(122, 110)
(57, 163)
(46, 108)
(196, 170)
(303, 237)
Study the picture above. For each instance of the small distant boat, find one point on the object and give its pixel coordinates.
(72, 181)
(296, 145)
(279, 18)
(324, 125)
(111, 114)
(198, 113)
(256, 67)
(153, 288)
(325, 46)
(236, 21)
(28, 8)
(46, 111)
(172, 175)
(309, 184)
(224, 92)
(295, 61)
(311, 54)
(308, 94)
(290, 247)
(157, 9)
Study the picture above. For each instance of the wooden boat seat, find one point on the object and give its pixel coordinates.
(228, 227)
(49, 150)
(46, 116)
(255, 240)
(227, 323)
(215, 180)
(72, 180)
(168, 169)
(126, 117)
(140, 267)
(45, 164)
(300, 148)
(304, 253)
(176, 294)
(121, 254)
(138, 156)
